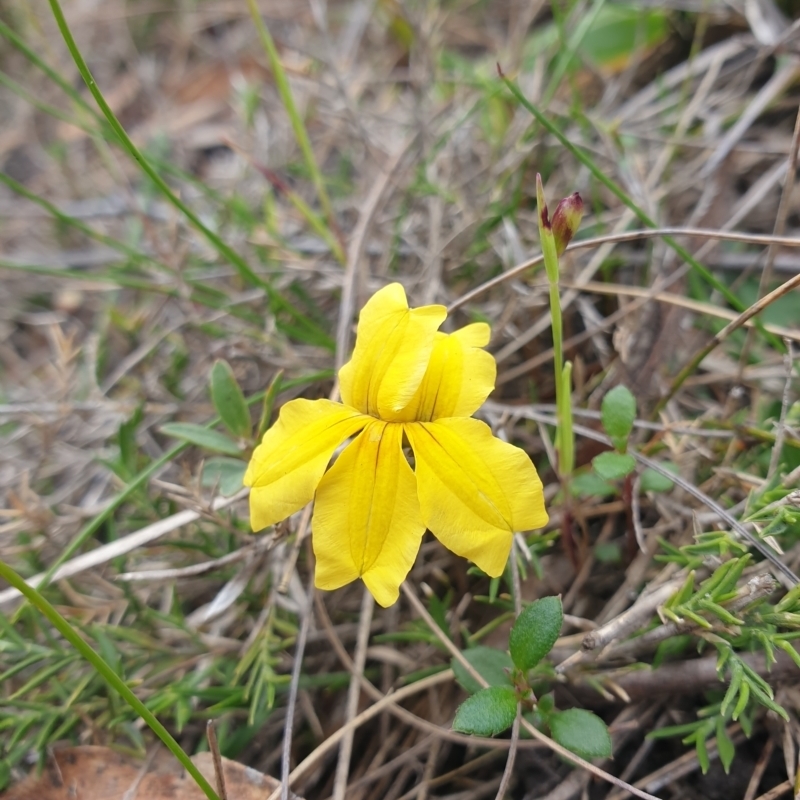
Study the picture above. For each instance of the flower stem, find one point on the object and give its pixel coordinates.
(562, 374)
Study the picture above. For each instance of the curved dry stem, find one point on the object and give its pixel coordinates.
(627, 236)
(720, 337)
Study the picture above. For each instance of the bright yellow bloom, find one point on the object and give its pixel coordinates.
(407, 384)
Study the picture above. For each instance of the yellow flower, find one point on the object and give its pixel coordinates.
(407, 384)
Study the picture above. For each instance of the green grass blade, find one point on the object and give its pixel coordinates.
(45, 108)
(104, 670)
(568, 52)
(78, 225)
(57, 79)
(300, 133)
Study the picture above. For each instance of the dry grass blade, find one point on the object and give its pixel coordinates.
(104, 554)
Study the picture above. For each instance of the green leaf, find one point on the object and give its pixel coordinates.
(737, 675)
(673, 647)
(535, 632)
(613, 466)
(494, 665)
(128, 449)
(590, 484)
(202, 437)
(5, 773)
(620, 32)
(488, 712)
(608, 553)
(223, 473)
(702, 754)
(229, 401)
(617, 413)
(581, 732)
(725, 746)
(546, 704)
(652, 481)
(788, 649)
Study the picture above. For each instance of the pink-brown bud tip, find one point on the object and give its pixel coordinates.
(566, 220)
(544, 218)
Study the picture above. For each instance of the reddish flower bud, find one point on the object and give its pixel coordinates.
(566, 220)
(544, 220)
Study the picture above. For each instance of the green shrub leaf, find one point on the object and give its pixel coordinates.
(223, 473)
(653, 481)
(202, 437)
(581, 732)
(617, 413)
(613, 466)
(494, 665)
(229, 401)
(488, 712)
(535, 632)
(590, 484)
(725, 746)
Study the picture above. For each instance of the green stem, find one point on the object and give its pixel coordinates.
(558, 339)
(567, 442)
(106, 672)
(550, 256)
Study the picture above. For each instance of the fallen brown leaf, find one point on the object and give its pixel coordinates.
(100, 773)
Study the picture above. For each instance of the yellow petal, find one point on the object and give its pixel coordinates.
(474, 490)
(459, 377)
(366, 515)
(286, 467)
(393, 345)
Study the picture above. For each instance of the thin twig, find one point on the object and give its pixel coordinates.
(508, 771)
(777, 229)
(286, 756)
(356, 249)
(512, 756)
(720, 337)
(627, 236)
(346, 750)
(759, 769)
(780, 432)
(333, 740)
(291, 559)
(400, 713)
(213, 746)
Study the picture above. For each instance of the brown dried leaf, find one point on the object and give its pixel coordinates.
(100, 773)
